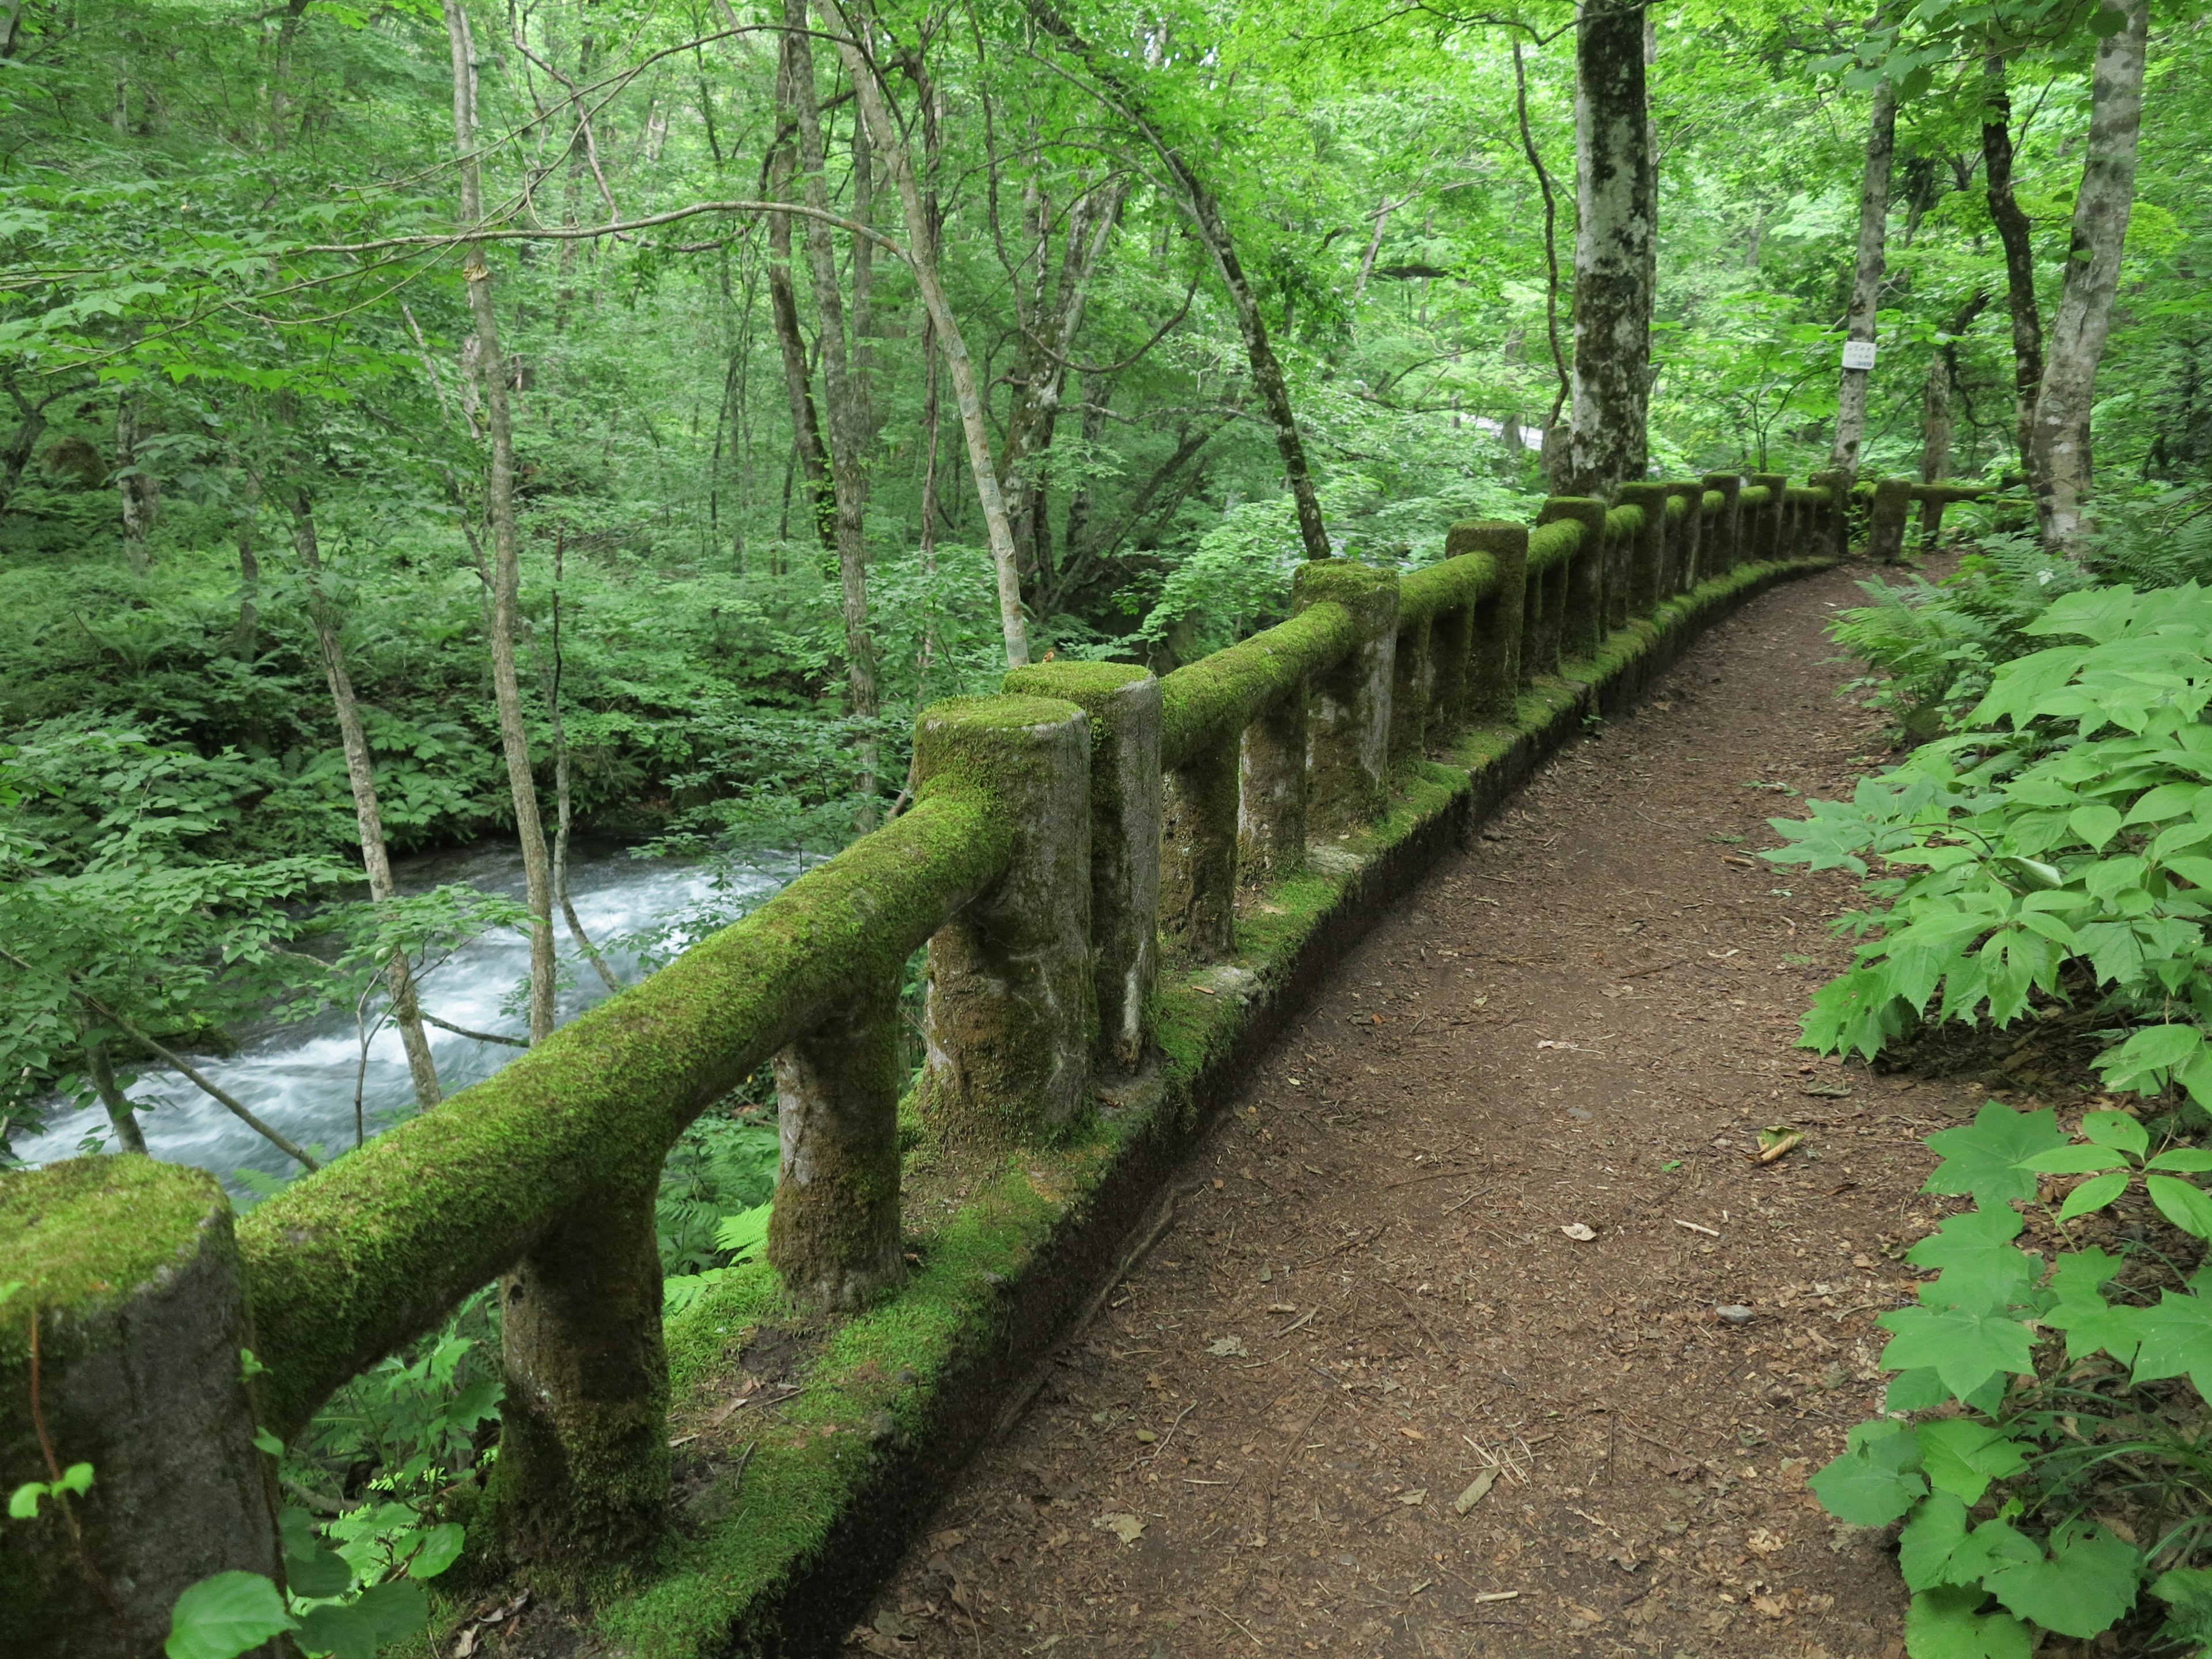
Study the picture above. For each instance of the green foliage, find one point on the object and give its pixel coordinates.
(2046, 1369)
(2058, 845)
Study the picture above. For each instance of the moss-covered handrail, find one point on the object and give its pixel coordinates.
(1217, 696)
(1553, 543)
(1448, 583)
(373, 1250)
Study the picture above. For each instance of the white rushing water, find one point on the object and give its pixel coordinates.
(300, 1078)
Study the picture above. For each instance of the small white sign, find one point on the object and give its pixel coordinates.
(1858, 354)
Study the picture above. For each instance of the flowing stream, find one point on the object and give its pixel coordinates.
(299, 1077)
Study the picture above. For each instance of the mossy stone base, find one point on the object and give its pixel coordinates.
(132, 1272)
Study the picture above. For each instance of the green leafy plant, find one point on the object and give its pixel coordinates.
(2066, 842)
(2059, 1387)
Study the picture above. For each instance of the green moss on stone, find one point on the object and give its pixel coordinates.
(1214, 698)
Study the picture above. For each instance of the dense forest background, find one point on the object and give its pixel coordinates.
(483, 437)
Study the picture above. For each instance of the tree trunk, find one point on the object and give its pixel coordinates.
(1214, 231)
(20, 447)
(891, 144)
(507, 554)
(1865, 278)
(361, 779)
(134, 489)
(811, 454)
(97, 1066)
(2014, 232)
(1039, 377)
(1612, 250)
(2061, 447)
(1552, 453)
(564, 803)
(849, 411)
(246, 633)
(1935, 405)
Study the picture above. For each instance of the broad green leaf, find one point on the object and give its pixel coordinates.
(2187, 1593)
(2175, 1338)
(1979, 1265)
(1916, 1390)
(1924, 1549)
(1987, 1158)
(2189, 1160)
(2094, 1194)
(1944, 1624)
(2184, 1203)
(2074, 1160)
(2151, 1049)
(2094, 825)
(1873, 1482)
(1967, 1346)
(2086, 1584)
(441, 1549)
(745, 1232)
(221, 1617)
(316, 1572)
(1962, 1456)
(399, 1608)
(339, 1629)
(2116, 1129)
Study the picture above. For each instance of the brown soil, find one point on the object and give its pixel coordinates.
(1366, 1300)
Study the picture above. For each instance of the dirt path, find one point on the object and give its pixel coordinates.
(1367, 1300)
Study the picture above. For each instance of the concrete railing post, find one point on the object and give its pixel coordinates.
(1197, 855)
(1828, 516)
(1451, 650)
(1413, 677)
(1582, 620)
(1726, 531)
(582, 1482)
(1348, 706)
(1008, 1011)
(1765, 535)
(1685, 541)
(1123, 704)
(130, 1271)
(1271, 812)
(833, 1234)
(1647, 561)
(1493, 675)
(1892, 503)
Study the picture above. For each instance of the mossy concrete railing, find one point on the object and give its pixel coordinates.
(1071, 840)
(1888, 503)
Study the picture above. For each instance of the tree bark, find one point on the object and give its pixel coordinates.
(1935, 422)
(361, 779)
(1040, 376)
(21, 445)
(921, 246)
(811, 454)
(563, 800)
(848, 411)
(507, 554)
(1552, 452)
(134, 488)
(120, 1113)
(1612, 250)
(1268, 379)
(2014, 232)
(1865, 278)
(245, 632)
(2101, 207)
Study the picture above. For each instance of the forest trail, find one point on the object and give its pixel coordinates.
(1365, 1298)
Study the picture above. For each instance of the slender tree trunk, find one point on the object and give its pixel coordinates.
(132, 487)
(890, 143)
(2101, 207)
(507, 554)
(562, 800)
(849, 413)
(360, 778)
(245, 634)
(22, 446)
(1268, 378)
(811, 454)
(1613, 249)
(2014, 232)
(101, 1071)
(1865, 278)
(1555, 451)
(864, 286)
(1935, 425)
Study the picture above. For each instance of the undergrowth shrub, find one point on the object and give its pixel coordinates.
(2041, 1438)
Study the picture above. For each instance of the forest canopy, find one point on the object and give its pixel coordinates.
(432, 421)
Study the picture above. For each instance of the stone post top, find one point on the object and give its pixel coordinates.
(1341, 579)
(1074, 680)
(1728, 482)
(1486, 536)
(1008, 711)
(83, 1234)
(1635, 495)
